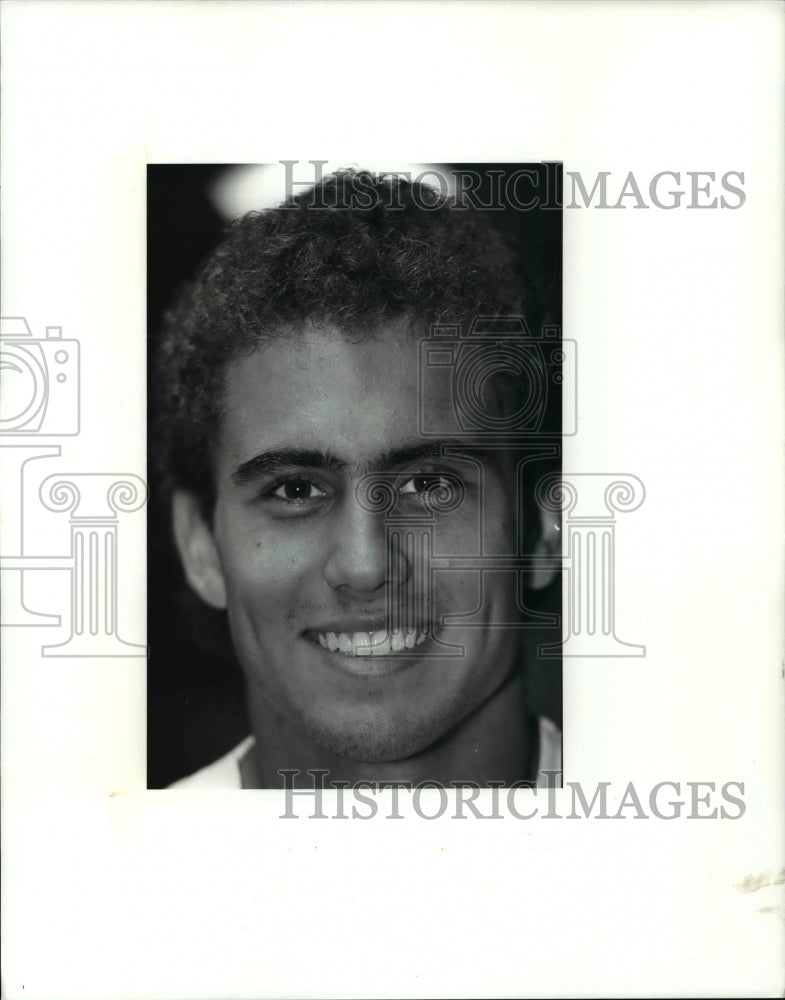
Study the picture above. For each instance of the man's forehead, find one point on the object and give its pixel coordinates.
(317, 388)
(328, 356)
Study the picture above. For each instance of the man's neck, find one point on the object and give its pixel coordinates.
(496, 743)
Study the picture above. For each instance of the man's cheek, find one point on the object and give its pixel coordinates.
(278, 557)
(256, 565)
(459, 593)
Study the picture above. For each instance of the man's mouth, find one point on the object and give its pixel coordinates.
(379, 643)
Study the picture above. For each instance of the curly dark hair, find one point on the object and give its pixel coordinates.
(412, 253)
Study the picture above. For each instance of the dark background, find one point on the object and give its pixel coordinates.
(195, 696)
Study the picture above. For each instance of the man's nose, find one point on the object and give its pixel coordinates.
(361, 559)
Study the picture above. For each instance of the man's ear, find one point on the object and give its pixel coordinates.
(198, 552)
(549, 544)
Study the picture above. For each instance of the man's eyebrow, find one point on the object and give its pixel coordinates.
(267, 462)
(278, 459)
(422, 450)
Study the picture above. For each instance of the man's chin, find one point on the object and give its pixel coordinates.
(375, 742)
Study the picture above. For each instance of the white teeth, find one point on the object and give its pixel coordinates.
(362, 644)
(380, 643)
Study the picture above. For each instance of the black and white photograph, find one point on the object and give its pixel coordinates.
(357, 401)
(392, 411)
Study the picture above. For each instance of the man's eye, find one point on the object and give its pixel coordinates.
(425, 484)
(297, 489)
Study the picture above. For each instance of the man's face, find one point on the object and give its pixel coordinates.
(315, 599)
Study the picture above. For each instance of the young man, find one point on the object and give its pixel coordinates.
(330, 493)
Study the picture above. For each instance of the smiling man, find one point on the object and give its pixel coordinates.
(326, 494)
